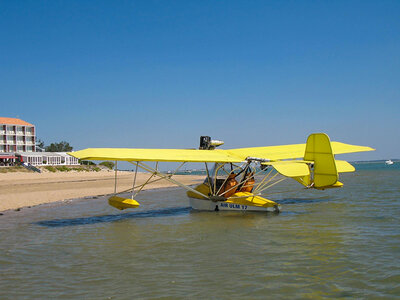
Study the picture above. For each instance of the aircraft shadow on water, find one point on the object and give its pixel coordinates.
(157, 213)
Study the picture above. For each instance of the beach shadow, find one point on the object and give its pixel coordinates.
(166, 212)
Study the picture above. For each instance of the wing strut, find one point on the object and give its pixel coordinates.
(134, 182)
(115, 179)
(166, 177)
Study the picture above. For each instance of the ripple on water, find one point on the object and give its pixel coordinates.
(337, 244)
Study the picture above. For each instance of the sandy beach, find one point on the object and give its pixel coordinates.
(18, 190)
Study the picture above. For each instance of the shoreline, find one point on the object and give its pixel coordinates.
(22, 190)
(79, 199)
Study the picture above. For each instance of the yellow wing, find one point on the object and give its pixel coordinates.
(174, 155)
(292, 151)
(187, 155)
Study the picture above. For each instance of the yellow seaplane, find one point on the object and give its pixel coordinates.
(239, 177)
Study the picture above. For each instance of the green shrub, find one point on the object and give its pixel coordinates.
(51, 169)
(14, 169)
(108, 164)
(63, 169)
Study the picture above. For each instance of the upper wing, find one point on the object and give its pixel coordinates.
(272, 153)
(292, 151)
(175, 155)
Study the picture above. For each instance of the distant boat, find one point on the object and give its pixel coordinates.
(389, 162)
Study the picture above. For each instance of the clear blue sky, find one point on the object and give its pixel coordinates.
(162, 73)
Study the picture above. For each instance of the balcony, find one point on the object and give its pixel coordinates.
(10, 143)
(20, 133)
(10, 132)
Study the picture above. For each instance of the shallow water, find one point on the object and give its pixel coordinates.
(337, 243)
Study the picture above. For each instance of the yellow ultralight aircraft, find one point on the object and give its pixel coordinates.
(231, 183)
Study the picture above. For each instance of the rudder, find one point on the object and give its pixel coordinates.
(319, 150)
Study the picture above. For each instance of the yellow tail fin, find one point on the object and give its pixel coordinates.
(319, 150)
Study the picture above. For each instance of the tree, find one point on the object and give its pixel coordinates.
(40, 143)
(87, 162)
(108, 164)
(59, 147)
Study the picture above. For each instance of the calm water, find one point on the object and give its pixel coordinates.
(342, 243)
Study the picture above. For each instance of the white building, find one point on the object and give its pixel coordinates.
(48, 158)
(18, 140)
(17, 135)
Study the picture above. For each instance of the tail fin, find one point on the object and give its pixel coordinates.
(323, 167)
(319, 150)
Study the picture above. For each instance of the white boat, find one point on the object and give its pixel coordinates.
(389, 162)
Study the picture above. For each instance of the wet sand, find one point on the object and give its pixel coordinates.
(18, 190)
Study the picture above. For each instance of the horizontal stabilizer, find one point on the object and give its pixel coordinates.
(343, 166)
(292, 168)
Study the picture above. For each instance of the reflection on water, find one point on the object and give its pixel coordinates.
(337, 243)
(287, 201)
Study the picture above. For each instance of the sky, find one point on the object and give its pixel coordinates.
(159, 74)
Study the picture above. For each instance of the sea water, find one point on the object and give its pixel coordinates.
(341, 243)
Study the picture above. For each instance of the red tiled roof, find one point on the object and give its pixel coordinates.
(13, 121)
